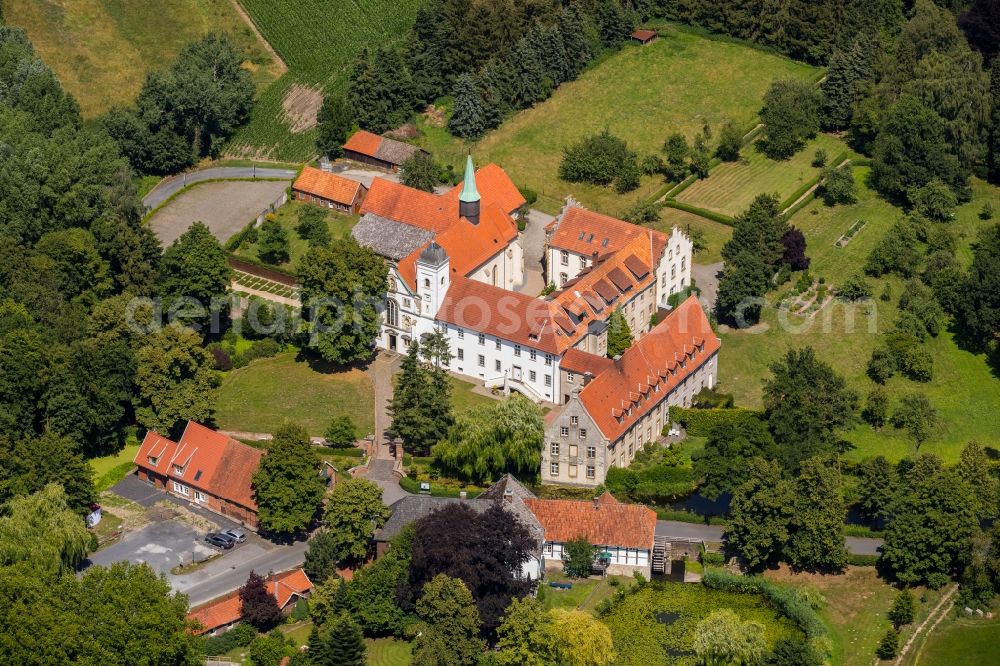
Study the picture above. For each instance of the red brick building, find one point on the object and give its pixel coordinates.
(205, 467)
(329, 190)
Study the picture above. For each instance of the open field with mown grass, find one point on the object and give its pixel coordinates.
(380, 651)
(715, 233)
(959, 641)
(270, 392)
(641, 94)
(964, 390)
(101, 50)
(339, 224)
(319, 42)
(854, 607)
(731, 186)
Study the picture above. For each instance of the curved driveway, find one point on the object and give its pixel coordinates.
(173, 184)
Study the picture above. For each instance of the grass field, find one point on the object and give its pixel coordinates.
(101, 50)
(319, 42)
(964, 390)
(270, 392)
(656, 624)
(641, 94)
(109, 470)
(463, 398)
(731, 186)
(715, 233)
(961, 641)
(288, 216)
(854, 609)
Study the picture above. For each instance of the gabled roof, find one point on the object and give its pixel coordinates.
(327, 185)
(604, 522)
(652, 367)
(411, 206)
(211, 461)
(581, 362)
(494, 186)
(585, 232)
(227, 609)
(364, 143)
(380, 147)
(508, 315)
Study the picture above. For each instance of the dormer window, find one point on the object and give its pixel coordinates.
(152, 460)
(178, 470)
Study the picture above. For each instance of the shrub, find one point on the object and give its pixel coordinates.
(838, 186)
(579, 557)
(341, 433)
(881, 365)
(819, 158)
(855, 288)
(628, 177)
(221, 358)
(711, 398)
(783, 599)
(599, 159)
(935, 201)
(312, 226)
(730, 142)
(530, 195)
(241, 635)
(643, 212)
(652, 165)
(986, 212)
(902, 610)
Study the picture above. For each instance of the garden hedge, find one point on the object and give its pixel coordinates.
(701, 212)
(699, 422)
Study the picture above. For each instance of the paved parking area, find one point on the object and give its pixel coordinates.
(225, 207)
(162, 545)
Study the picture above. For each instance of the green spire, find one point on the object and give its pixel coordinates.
(469, 192)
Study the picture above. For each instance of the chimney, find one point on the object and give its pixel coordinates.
(597, 505)
(508, 495)
(468, 200)
(462, 495)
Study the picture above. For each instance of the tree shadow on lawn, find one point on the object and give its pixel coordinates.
(967, 341)
(322, 366)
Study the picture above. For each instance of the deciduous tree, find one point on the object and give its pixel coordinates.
(419, 171)
(287, 485)
(817, 530)
(619, 334)
(341, 433)
(174, 379)
(258, 607)
(916, 415)
(790, 115)
(579, 558)
(272, 244)
(974, 468)
(355, 510)
(42, 531)
(877, 485)
(760, 514)
(451, 624)
(722, 638)
(723, 464)
(194, 267)
(28, 465)
(579, 639)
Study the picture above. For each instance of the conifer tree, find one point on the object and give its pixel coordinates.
(574, 40)
(346, 646)
(553, 53)
(319, 649)
(421, 404)
(333, 124)
(468, 121)
(838, 97)
(619, 334)
(530, 75)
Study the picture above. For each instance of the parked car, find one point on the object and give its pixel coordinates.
(219, 540)
(239, 536)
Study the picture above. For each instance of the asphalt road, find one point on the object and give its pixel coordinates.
(170, 186)
(671, 528)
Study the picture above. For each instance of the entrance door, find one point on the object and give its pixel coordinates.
(392, 342)
(515, 373)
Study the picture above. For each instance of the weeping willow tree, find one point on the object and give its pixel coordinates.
(487, 442)
(43, 530)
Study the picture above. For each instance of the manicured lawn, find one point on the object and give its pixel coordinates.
(961, 642)
(288, 216)
(270, 392)
(463, 398)
(101, 50)
(641, 94)
(731, 186)
(656, 624)
(381, 651)
(964, 390)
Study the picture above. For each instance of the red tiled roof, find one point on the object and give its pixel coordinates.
(226, 610)
(410, 206)
(327, 185)
(583, 231)
(581, 362)
(643, 35)
(212, 462)
(364, 143)
(603, 523)
(508, 315)
(494, 186)
(654, 360)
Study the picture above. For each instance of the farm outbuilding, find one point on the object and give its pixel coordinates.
(644, 36)
(379, 151)
(329, 190)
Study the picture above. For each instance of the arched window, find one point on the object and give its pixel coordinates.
(391, 313)
(494, 276)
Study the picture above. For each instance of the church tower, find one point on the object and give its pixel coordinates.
(432, 278)
(468, 200)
